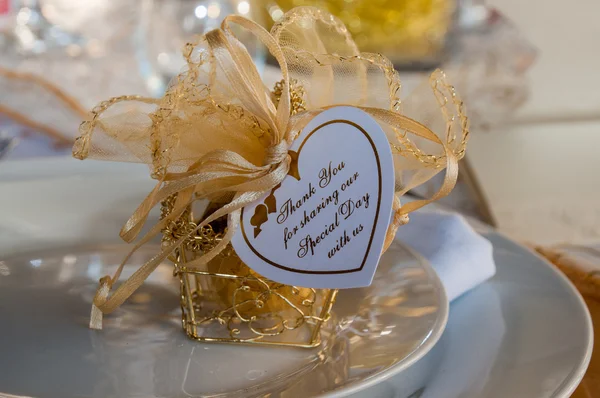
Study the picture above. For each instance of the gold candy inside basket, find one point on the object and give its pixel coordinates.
(226, 301)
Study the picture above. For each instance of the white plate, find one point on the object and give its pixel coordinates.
(526, 333)
(51, 212)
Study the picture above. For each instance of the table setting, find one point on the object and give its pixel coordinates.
(270, 211)
(511, 321)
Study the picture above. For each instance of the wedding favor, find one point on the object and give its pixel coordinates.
(271, 199)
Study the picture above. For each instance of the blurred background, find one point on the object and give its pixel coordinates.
(526, 69)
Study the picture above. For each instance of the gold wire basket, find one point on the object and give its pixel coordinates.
(228, 302)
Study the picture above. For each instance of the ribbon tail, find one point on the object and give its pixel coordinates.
(103, 304)
(96, 314)
(134, 225)
(449, 182)
(96, 318)
(451, 167)
(398, 220)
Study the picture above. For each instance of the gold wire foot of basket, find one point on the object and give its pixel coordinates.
(225, 301)
(252, 310)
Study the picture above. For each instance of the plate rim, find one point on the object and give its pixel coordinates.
(354, 386)
(568, 386)
(432, 339)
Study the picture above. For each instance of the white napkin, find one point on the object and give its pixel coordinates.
(461, 257)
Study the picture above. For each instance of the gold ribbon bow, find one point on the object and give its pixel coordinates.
(218, 132)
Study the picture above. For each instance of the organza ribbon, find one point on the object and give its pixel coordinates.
(35, 102)
(226, 173)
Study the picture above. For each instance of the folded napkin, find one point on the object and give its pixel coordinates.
(461, 257)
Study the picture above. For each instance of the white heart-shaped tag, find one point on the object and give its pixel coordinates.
(325, 225)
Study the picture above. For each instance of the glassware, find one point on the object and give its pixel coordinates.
(32, 32)
(412, 33)
(166, 25)
(489, 65)
(58, 58)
